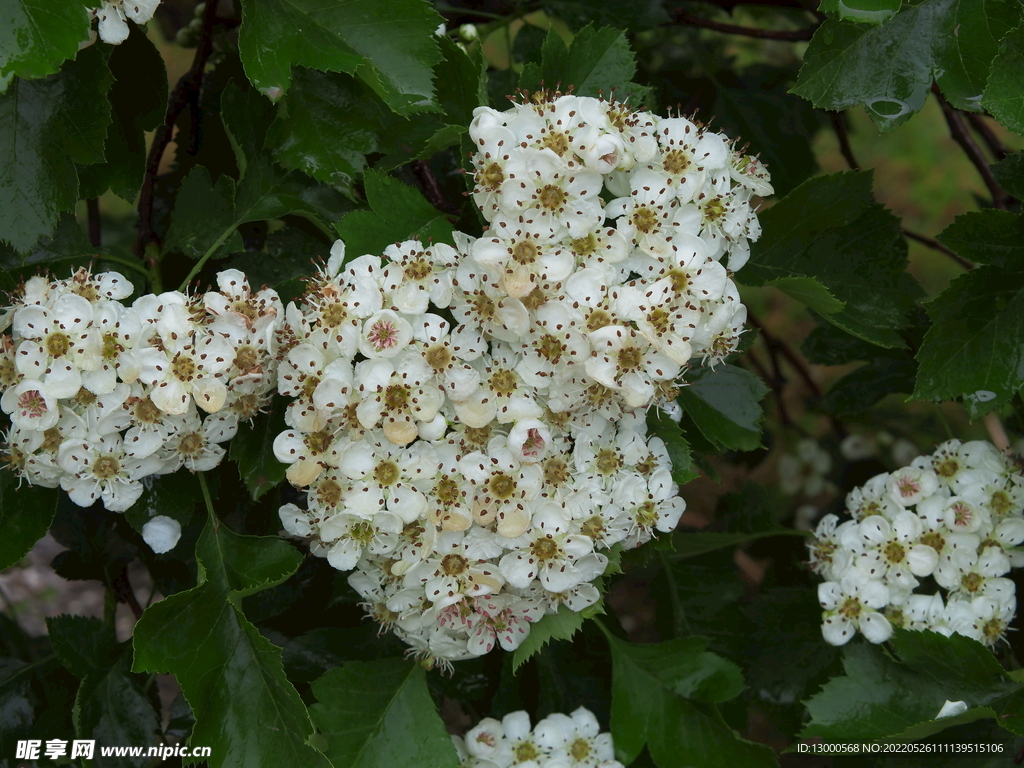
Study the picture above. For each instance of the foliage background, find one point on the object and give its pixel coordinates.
(168, 162)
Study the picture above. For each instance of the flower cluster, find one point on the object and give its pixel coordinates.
(557, 741)
(102, 394)
(470, 422)
(951, 518)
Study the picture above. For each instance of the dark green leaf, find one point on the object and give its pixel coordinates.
(61, 251)
(627, 14)
(660, 425)
(724, 403)
(646, 707)
(203, 216)
(831, 229)
(45, 127)
(692, 543)
(245, 708)
(17, 712)
(975, 347)
(809, 292)
(963, 664)
(379, 714)
(398, 213)
(868, 11)
(25, 516)
(253, 449)
(856, 392)
(987, 237)
(1004, 94)
(38, 35)
(828, 345)
(390, 45)
(173, 496)
(1009, 172)
(968, 44)
(83, 644)
(599, 60)
(461, 82)
(555, 626)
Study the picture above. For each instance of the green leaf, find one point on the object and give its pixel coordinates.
(831, 229)
(204, 216)
(598, 61)
(561, 625)
(461, 81)
(857, 391)
(687, 544)
(398, 213)
(253, 449)
(389, 45)
(828, 345)
(38, 35)
(245, 708)
(868, 11)
(45, 127)
(724, 404)
(61, 251)
(138, 98)
(173, 496)
(885, 698)
(1009, 172)
(889, 67)
(987, 237)
(1004, 94)
(379, 714)
(661, 426)
(25, 516)
(647, 706)
(975, 347)
(84, 645)
(809, 292)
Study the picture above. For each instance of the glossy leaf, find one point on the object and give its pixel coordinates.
(25, 516)
(1004, 94)
(83, 644)
(390, 45)
(598, 61)
(987, 237)
(38, 35)
(203, 216)
(253, 449)
(45, 127)
(831, 230)
(379, 714)
(724, 403)
(245, 708)
(561, 625)
(647, 707)
(857, 391)
(398, 213)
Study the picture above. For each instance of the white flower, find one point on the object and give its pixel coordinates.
(853, 604)
(161, 533)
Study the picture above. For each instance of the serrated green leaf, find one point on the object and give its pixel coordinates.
(25, 516)
(61, 251)
(45, 127)
(724, 403)
(38, 35)
(975, 347)
(867, 11)
(829, 345)
(561, 625)
(661, 426)
(646, 710)
(202, 214)
(1004, 94)
(461, 81)
(379, 714)
(398, 213)
(84, 645)
(857, 391)
(809, 292)
(389, 45)
(1009, 172)
(253, 450)
(965, 50)
(831, 229)
(987, 237)
(245, 708)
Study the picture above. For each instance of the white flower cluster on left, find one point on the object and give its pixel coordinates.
(557, 741)
(113, 16)
(949, 522)
(101, 394)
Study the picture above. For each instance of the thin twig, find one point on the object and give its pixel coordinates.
(92, 211)
(843, 136)
(786, 35)
(791, 356)
(984, 130)
(934, 244)
(185, 93)
(958, 131)
(425, 176)
(125, 594)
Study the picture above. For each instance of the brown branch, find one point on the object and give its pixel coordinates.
(934, 244)
(787, 352)
(428, 181)
(962, 136)
(786, 35)
(984, 130)
(92, 211)
(122, 588)
(838, 120)
(185, 94)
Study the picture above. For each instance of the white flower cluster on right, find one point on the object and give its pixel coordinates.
(557, 741)
(952, 518)
(470, 422)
